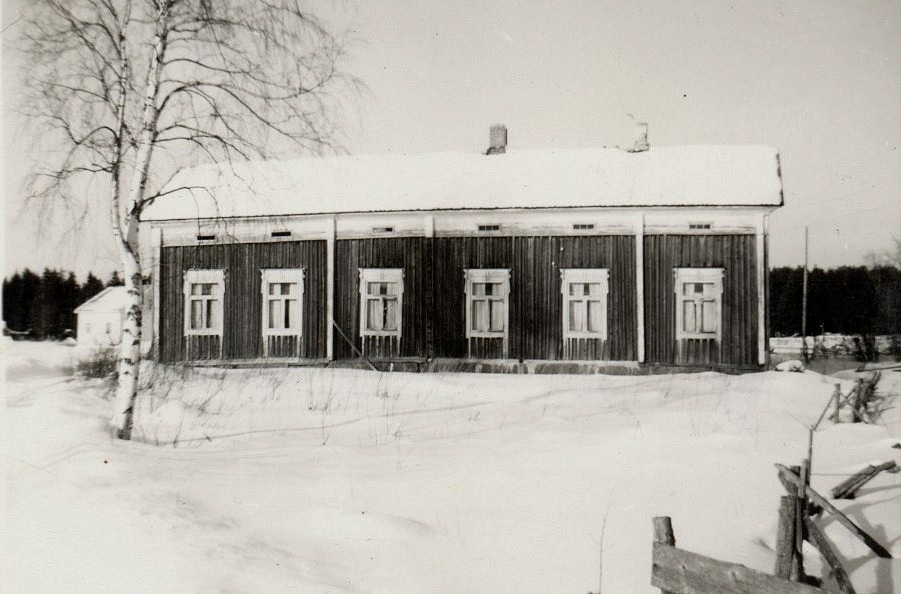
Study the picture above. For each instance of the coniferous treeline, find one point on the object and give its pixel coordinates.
(44, 305)
(845, 300)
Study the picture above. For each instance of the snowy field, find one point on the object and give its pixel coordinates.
(320, 480)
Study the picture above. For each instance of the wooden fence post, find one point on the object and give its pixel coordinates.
(859, 400)
(785, 537)
(663, 534)
(838, 402)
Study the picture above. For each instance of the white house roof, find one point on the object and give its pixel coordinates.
(110, 299)
(587, 177)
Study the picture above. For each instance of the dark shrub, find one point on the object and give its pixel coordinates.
(101, 363)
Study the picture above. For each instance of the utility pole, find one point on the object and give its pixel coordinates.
(804, 304)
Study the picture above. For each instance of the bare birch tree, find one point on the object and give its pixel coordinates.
(890, 256)
(128, 88)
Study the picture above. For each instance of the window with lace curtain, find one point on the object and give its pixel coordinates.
(584, 302)
(381, 301)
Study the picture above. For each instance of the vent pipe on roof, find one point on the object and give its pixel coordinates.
(640, 138)
(497, 140)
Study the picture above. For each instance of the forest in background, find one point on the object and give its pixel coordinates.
(44, 304)
(845, 300)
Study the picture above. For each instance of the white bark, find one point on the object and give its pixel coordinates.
(127, 235)
(215, 77)
(129, 348)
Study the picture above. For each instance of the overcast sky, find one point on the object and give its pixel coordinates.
(820, 80)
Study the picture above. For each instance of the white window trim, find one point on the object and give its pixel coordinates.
(584, 275)
(488, 275)
(216, 277)
(282, 275)
(699, 275)
(381, 275)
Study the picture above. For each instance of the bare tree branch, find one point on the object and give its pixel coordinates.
(119, 83)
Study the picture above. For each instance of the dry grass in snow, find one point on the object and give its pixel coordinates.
(325, 480)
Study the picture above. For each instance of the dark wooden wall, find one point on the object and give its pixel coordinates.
(242, 336)
(413, 254)
(433, 322)
(737, 255)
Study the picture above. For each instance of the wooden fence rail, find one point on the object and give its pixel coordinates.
(677, 571)
(789, 477)
(858, 400)
(848, 488)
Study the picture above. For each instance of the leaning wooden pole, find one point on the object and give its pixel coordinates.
(353, 347)
(790, 478)
(819, 540)
(797, 573)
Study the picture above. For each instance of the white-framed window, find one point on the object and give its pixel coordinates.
(204, 291)
(584, 302)
(282, 290)
(381, 301)
(699, 302)
(487, 302)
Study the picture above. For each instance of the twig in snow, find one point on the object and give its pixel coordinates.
(601, 549)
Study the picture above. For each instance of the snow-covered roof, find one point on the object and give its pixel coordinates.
(110, 299)
(587, 177)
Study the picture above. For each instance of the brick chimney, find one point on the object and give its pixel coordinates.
(497, 140)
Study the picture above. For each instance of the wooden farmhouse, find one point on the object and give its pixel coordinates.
(101, 317)
(586, 259)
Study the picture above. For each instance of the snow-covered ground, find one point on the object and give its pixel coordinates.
(321, 480)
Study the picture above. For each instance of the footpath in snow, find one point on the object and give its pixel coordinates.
(327, 480)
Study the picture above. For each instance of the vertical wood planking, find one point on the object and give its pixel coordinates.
(736, 255)
(433, 317)
(407, 253)
(535, 323)
(242, 304)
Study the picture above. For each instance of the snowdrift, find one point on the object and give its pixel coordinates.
(325, 480)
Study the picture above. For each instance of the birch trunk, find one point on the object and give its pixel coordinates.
(129, 348)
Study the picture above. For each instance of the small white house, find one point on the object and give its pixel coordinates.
(100, 318)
